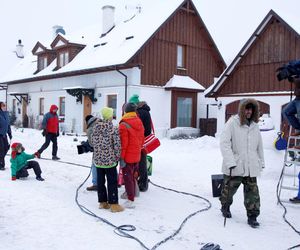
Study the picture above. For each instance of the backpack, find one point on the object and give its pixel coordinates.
(280, 143)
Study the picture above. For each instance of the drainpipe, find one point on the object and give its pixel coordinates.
(125, 83)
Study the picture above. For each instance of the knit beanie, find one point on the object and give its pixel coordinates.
(14, 149)
(130, 107)
(107, 113)
(88, 117)
(134, 99)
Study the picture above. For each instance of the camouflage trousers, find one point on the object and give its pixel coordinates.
(251, 193)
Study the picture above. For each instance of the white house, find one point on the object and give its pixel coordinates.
(162, 51)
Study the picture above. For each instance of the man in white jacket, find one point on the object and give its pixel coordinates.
(243, 159)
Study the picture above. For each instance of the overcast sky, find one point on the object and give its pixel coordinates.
(230, 22)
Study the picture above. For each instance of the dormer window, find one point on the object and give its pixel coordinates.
(63, 58)
(42, 62)
(181, 52)
(65, 50)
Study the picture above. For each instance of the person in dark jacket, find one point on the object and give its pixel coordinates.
(143, 111)
(293, 109)
(4, 131)
(90, 122)
(50, 131)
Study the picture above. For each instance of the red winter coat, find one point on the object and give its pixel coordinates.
(132, 137)
(50, 121)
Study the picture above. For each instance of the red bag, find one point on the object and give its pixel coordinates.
(120, 177)
(151, 142)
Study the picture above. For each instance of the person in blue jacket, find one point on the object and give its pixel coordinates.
(4, 131)
(297, 198)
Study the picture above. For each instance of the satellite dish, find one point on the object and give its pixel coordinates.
(61, 31)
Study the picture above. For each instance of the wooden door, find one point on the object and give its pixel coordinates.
(87, 109)
(24, 114)
(183, 95)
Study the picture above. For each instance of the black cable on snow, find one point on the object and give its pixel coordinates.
(121, 230)
(285, 209)
(186, 219)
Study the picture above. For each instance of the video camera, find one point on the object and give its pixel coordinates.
(289, 71)
(84, 147)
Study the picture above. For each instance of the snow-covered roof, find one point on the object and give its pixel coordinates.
(116, 48)
(185, 82)
(288, 19)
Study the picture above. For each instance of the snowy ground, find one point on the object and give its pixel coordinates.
(44, 215)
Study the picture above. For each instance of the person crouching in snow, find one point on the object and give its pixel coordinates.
(132, 139)
(20, 164)
(107, 147)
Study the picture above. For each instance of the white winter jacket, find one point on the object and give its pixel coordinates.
(241, 146)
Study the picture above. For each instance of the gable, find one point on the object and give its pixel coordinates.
(38, 48)
(59, 41)
(185, 28)
(273, 44)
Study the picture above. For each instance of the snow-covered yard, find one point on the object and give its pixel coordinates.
(44, 215)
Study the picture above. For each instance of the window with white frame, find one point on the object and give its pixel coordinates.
(112, 103)
(63, 59)
(41, 106)
(62, 106)
(180, 56)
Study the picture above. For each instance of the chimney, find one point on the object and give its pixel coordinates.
(108, 19)
(19, 49)
(58, 29)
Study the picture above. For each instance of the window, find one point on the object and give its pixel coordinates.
(112, 103)
(42, 63)
(62, 106)
(184, 111)
(180, 56)
(41, 106)
(63, 59)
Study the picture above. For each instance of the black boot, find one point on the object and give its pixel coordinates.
(253, 222)
(226, 211)
(55, 158)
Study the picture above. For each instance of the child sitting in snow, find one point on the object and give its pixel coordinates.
(20, 164)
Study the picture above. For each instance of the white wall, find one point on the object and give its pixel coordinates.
(2, 95)
(103, 83)
(275, 103)
(159, 100)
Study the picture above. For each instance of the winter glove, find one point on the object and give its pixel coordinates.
(37, 154)
(57, 134)
(13, 178)
(44, 133)
(122, 163)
